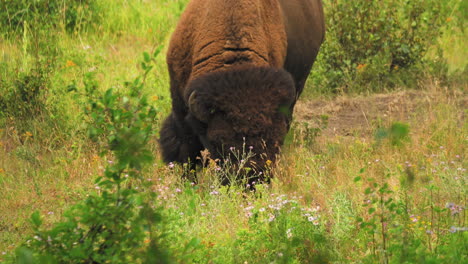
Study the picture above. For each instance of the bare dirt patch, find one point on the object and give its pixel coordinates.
(359, 116)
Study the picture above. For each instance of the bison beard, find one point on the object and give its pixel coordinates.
(235, 77)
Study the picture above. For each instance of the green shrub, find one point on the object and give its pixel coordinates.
(25, 96)
(119, 223)
(374, 44)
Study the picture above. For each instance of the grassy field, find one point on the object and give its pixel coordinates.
(362, 178)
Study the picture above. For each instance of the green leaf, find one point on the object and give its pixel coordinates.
(146, 57)
(157, 51)
(36, 219)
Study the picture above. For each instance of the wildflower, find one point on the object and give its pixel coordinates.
(171, 165)
(311, 218)
(86, 47)
(214, 192)
(448, 19)
(361, 67)
(268, 162)
(289, 233)
(413, 218)
(37, 238)
(69, 63)
(147, 241)
(248, 208)
(280, 254)
(315, 223)
(154, 98)
(50, 213)
(178, 190)
(232, 148)
(261, 209)
(449, 205)
(250, 147)
(2, 171)
(271, 218)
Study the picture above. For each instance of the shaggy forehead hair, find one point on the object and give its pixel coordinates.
(248, 96)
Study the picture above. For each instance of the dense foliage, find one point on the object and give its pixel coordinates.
(375, 44)
(118, 223)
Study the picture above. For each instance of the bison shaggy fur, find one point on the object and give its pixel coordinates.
(237, 69)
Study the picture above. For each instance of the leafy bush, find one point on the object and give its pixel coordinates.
(15, 15)
(117, 224)
(372, 44)
(25, 97)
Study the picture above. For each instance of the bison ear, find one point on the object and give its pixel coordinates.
(197, 108)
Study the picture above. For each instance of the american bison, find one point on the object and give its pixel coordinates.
(237, 68)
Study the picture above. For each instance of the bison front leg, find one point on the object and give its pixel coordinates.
(178, 142)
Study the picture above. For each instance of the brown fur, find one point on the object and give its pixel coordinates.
(248, 61)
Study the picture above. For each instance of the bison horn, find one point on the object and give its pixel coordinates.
(196, 109)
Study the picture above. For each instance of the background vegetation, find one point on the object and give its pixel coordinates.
(84, 87)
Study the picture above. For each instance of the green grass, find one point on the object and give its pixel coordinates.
(314, 210)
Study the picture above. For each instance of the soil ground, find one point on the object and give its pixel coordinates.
(359, 116)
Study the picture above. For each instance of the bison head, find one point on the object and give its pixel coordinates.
(245, 108)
